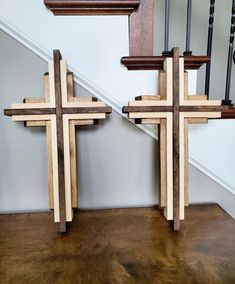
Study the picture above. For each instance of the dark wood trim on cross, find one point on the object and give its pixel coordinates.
(176, 141)
(60, 139)
(65, 110)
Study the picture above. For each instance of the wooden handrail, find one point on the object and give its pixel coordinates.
(92, 7)
(156, 62)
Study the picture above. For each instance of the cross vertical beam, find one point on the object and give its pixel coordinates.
(60, 139)
(176, 142)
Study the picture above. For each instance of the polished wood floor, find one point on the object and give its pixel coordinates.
(119, 246)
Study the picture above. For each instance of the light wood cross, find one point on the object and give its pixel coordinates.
(60, 112)
(173, 109)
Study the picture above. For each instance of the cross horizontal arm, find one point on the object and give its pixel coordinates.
(128, 109)
(203, 108)
(75, 110)
(26, 111)
(44, 111)
(224, 109)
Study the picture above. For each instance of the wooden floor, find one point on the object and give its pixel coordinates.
(119, 246)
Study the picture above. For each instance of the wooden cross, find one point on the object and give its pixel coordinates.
(173, 109)
(60, 112)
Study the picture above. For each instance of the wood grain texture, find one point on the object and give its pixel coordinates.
(141, 29)
(92, 7)
(186, 96)
(168, 211)
(67, 169)
(26, 118)
(145, 103)
(176, 142)
(148, 115)
(60, 139)
(197, 120)
(119, 246)
(148, 121)
(73, 164)
(72, 144)
(91, 109)
(163, 164)
(55, 169)
(156, 62)
(66, 110)
(12, 112)
(229, 113)
(185, 110)
(59, 111)
(208, 115)
(49, 164)
(197, 97)
(162, 83)
(182, 187)
(150, 109)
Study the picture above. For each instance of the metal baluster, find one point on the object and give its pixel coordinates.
(188, 29)
(227, 100)
(166, 51)
(209, 46)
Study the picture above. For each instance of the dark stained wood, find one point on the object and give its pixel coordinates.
(92, 7)
(119, 246)
(32, 111)
(127, 109)
(156, 62)
(43, 111)
(176, 141)
(229, 113)
(138, 121)
(224, 109)
(141, 29)
(72, 110)
(60, 139)
(203, 108)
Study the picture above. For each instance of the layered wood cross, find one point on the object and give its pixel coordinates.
(173, 109)
(60, 112)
